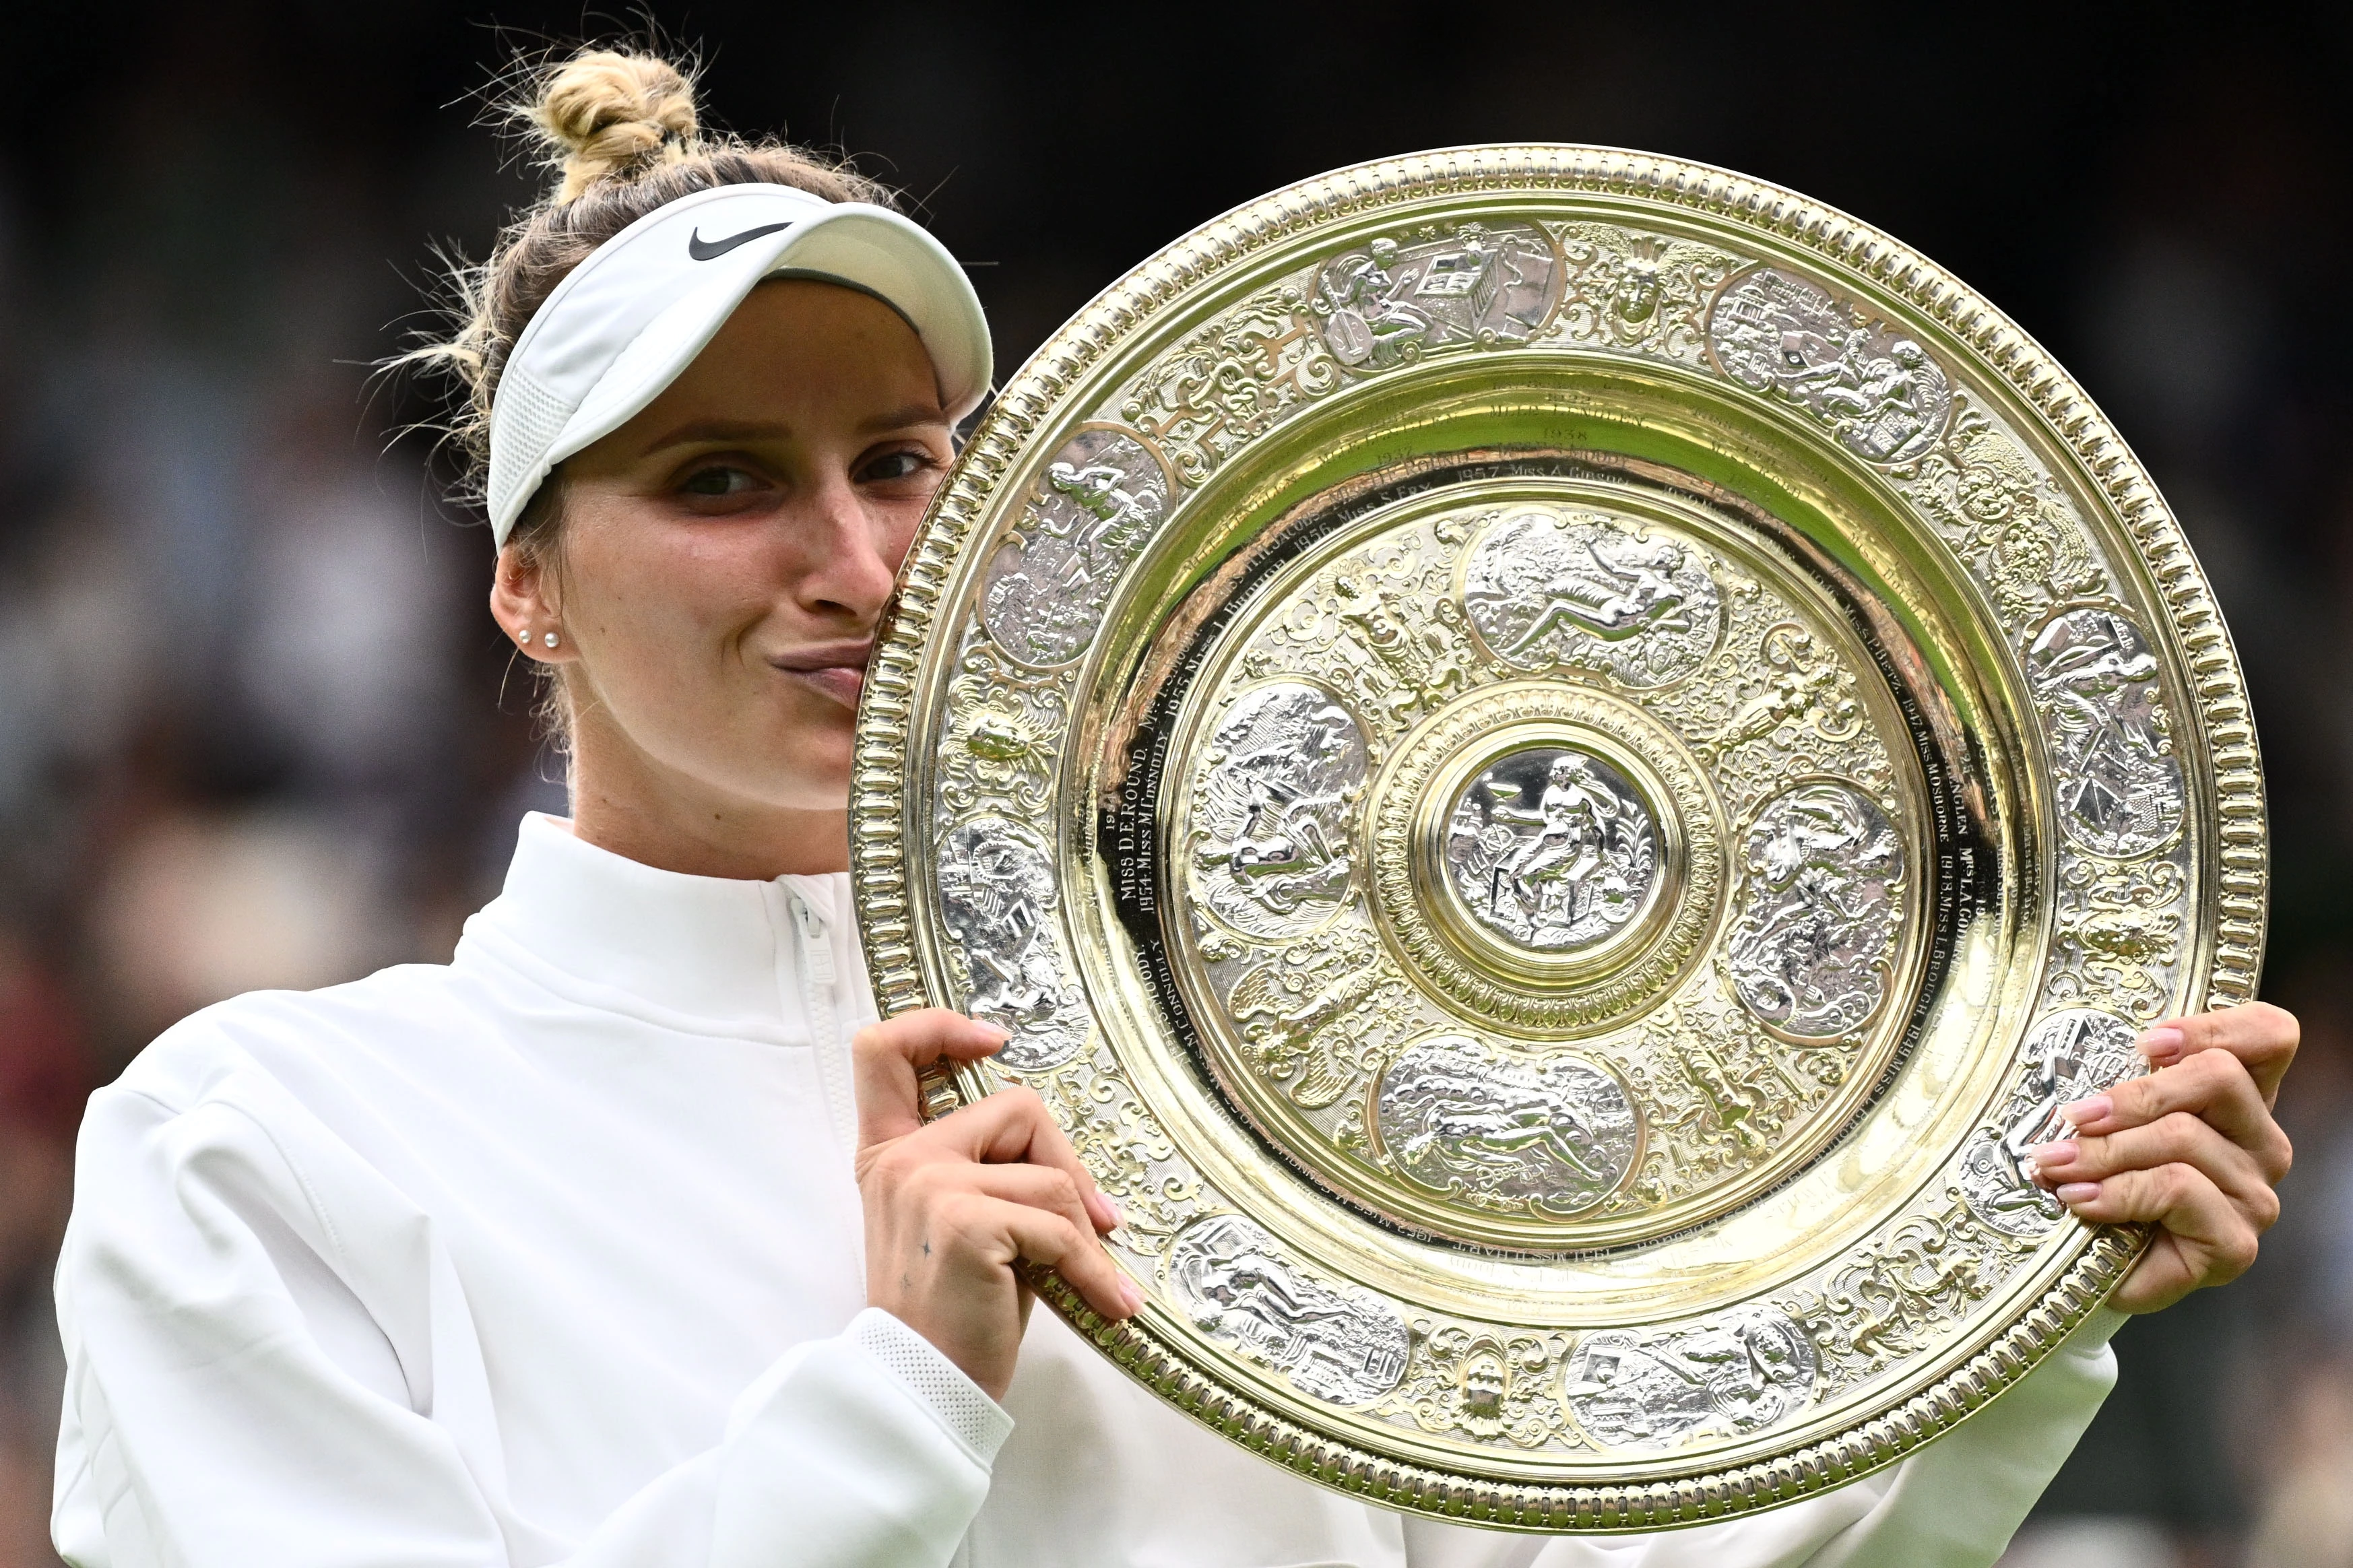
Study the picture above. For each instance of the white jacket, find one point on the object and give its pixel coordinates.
(552, 1256)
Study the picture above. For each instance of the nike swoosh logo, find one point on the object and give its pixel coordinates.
(703, 249)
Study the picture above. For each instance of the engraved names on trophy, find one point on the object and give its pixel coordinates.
(1087, 515)
(1234, 1281)
(1552, 1134)
(1578, 589)
(1873, 387)
(1823, 872)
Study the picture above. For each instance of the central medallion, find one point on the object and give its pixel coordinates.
(1551, 847)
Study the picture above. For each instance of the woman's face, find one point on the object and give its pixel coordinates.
(724, 556)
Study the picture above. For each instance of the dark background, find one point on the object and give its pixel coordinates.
(255, 727)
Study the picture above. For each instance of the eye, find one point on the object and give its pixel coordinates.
(904, 464)
(718, 479)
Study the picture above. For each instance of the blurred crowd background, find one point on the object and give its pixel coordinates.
(257, 728)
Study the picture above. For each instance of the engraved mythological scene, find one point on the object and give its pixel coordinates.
(2095, 682)
(1243, 1292)
(1583, 591)
(1880, 393)
(1551, 848)
(1822, 875)
(1726, 1378)
(1085, 518)
(2068, 1055)
(998, 900)
(1550, 1134)
(1400, 298)
(1273, 838)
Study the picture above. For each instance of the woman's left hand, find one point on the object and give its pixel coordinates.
(2192, 1148)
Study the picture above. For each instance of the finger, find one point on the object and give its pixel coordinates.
(2263, 1036)
(2214, 1086)
(890, 1056)
(1072, 1251)
(2215, 1239)
(1037, 1187)
(2179, 1137)
(1013, 1125)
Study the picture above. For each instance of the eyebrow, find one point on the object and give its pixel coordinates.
(701, 432)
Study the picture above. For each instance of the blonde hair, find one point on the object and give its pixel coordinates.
(618, 129)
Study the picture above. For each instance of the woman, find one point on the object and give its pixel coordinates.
(608, 1243)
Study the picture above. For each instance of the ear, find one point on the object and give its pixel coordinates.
(523, 603)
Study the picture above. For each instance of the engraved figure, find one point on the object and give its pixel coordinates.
(1272, 807)
(1797, 684)
(997, 901)
(1489, 1387)
(1817, 912)
(1886, 1303)
(1309, 1016)
(1554, 1136)
(2119, 934)
(1881, 396)
(1578, 588)
(2095, 681)
(1401, 297)
(1552, 849)
(1633, 291)
(2069, 1055)
(1419, 665)
(1085, 518)
(1001, 731)
(1232, 1279)
(1737, 1374)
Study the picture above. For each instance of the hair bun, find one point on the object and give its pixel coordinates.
(611, 115)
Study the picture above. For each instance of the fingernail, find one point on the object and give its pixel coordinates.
(1000, 1030)
(2048, 1154)
(1118, 1217)
(1099, 1208)
(1131, 1296)
(2075, 1192)
(2159, 1043)
(2085, 1111)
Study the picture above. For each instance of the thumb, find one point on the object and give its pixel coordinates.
(891, 1057)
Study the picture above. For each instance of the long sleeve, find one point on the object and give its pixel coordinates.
(271, 1361)
(1953, 1504)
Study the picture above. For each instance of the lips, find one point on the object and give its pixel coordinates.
(837, 669)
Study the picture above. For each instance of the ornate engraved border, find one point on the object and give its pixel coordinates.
(2001, 351)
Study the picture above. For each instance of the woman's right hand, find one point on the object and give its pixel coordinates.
(951, 1205)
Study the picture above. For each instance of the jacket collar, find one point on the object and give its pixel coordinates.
(698, 947)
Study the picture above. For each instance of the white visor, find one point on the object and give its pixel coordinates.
(626, 320)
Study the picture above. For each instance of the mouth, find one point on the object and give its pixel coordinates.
(837, 669)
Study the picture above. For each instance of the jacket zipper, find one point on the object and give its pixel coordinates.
(818, 976)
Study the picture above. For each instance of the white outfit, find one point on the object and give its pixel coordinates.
(553, 1255)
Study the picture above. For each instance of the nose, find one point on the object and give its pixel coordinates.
(841, 569)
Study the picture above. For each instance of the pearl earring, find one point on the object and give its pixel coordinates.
(549, 640)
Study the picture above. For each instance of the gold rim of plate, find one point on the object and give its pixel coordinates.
(1556, 758)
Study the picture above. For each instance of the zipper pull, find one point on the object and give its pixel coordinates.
(815, 942)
